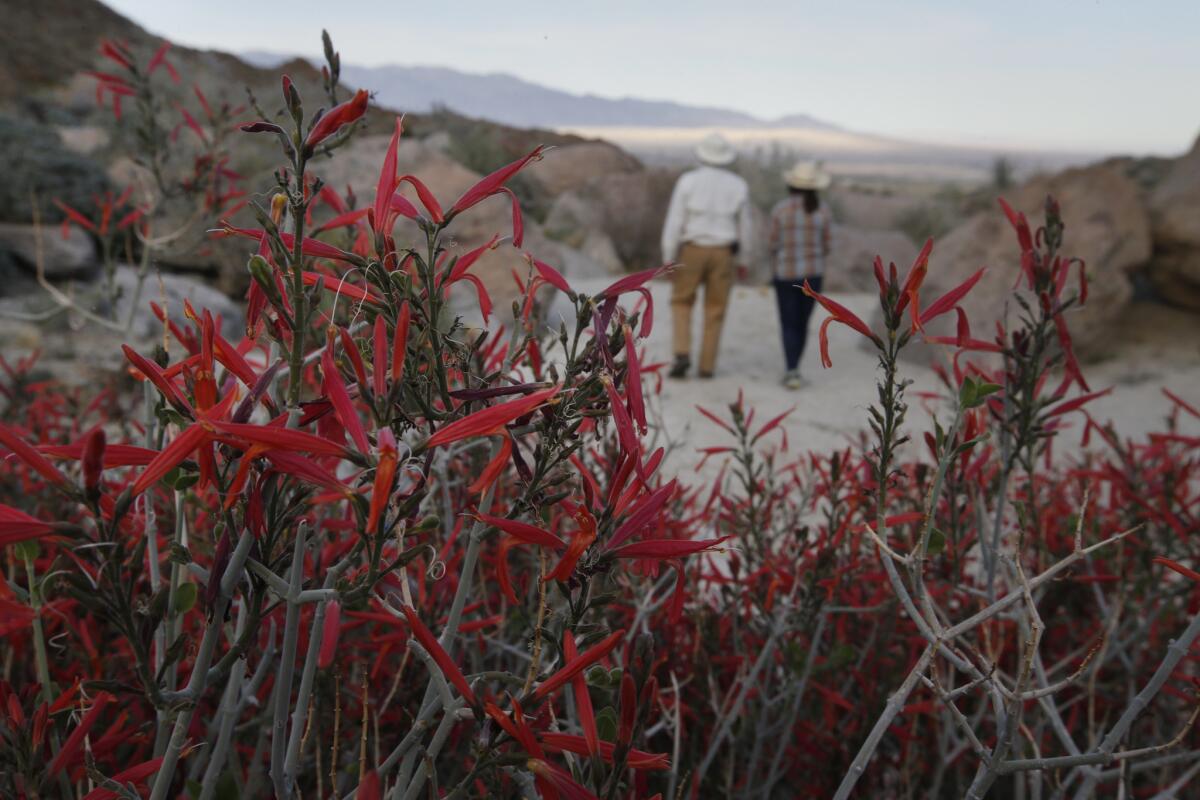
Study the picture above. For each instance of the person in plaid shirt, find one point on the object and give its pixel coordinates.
(798, 244)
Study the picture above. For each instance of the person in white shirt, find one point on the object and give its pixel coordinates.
(707, 227)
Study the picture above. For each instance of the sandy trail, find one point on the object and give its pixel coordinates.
(1159, 348)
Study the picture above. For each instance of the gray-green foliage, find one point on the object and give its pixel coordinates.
(33, 162)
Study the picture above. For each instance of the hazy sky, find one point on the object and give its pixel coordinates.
(1105, 75)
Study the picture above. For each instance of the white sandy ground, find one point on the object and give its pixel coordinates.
(1160, 347)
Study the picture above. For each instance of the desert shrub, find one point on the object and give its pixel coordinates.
(370, 550)
(39, 168)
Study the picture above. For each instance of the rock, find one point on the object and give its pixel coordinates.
(1175, 225)
(852, 254)
(169, 291)
(39, 168)
(1106, 225)
(61, 257)
(573, 166)
(571, 217)
(632, 207)
(83, 139)
(599, 248)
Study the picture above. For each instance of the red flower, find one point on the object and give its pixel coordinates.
(17, 526)
(385, 474)
(337, 117)
(29, 454)
(444, 662)
(578, 664)
(492, 183)
(329, 634)
(490, 420)
(838, 313)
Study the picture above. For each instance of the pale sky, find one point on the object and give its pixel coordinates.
(1096, 75)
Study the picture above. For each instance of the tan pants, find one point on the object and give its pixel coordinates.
(712, 268)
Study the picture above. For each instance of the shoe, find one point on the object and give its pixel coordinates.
(680, 368)
(705, 375)
(792, 381)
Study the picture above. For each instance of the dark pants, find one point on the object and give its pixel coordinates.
(794, 310)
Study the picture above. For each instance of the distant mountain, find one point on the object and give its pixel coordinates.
(512, 101)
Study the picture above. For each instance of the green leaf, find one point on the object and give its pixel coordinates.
(27, 550)
(185, 597)
(606, 724)
(937, 542)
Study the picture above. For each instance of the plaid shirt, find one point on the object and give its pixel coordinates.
(798, 242)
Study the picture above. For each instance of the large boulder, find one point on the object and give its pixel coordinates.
(1107, 226)
(1175, 224)
(61, 256)
(573, 166)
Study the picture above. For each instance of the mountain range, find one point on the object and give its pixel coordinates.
(510, 100)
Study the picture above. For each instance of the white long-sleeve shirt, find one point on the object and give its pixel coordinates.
(710, 207)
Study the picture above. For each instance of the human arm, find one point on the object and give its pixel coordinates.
(673, 225)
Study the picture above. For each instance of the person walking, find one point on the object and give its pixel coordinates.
(707, 227)
(798, 244)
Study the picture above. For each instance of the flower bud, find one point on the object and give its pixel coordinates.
(93, 462)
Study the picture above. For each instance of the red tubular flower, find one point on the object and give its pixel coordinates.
(379, 373)
(633, 382)
(137, 775)
(666, 548)
(30, 456)
(426, 197)
(489, 420)
(580, 542)
(583, 700)
(1020, 225)
(93, 461)
(340, 287)
(550, 275)
(838, 313)
(338, 116)
(369, 788)
(330, 631)
(356, 361)
(387, 183)
(115, 455)
(491, 473)
(629, 707)
(951, 299)
(569, 743)
(529, 534)
(385, 474)
(577, 665)
(343, 406)
(191, 439)
(1177, 567)
(492, 183)
(910, 294)
(626, 435)
(71, 747)
(555, 783)
(159, 59)
(17, 526)
(444, 662)
(400, 343)
(279, 438)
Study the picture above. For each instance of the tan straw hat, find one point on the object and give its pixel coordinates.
(807, 175)
(715, 151)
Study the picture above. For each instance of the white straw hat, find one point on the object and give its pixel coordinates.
(807, 175)
(715, 151)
